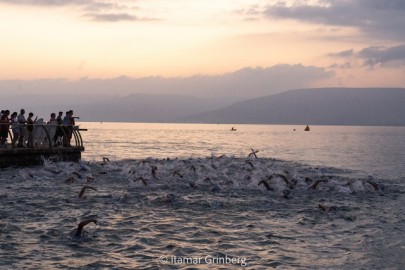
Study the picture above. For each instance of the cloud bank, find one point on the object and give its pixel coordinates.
(376, 55)
(242, 84)
(100, 11)
(376, 18)
(151, 98)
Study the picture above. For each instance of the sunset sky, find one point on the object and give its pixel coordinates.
(359, 42)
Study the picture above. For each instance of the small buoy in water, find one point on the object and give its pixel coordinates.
(307, 128)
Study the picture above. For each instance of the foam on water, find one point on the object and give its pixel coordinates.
(303, 217)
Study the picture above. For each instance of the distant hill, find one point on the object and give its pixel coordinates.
(321, 106)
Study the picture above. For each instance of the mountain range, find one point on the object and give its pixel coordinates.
(321, 106)
(312, 106)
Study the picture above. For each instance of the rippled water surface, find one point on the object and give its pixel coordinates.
(209, 205)
(368, 150)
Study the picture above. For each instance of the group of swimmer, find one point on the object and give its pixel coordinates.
(22, 127)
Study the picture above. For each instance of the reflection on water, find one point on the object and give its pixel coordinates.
(376, 151)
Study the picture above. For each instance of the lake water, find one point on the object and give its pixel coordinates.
(378, 151)
(171, 196)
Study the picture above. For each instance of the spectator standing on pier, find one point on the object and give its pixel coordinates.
(68, 125)
(59, 131)
(30, 127)
(72, 119)
(4, 126)
(22, 121)
(15, 127)
(67, 135)
(53, 120)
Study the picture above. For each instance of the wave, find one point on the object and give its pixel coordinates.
(214, 206)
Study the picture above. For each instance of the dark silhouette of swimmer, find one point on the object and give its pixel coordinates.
(308, 180)
(375, 185)
(286, 194)
(77, 174)
(192, 184)
(70, 180)
(154, 169)
(327, 208)
(192, 168)
(207, 179)
(265, 183)
(84, 189)
(176, 172)
(250, 163)
(81, 225)
(106, 159)
(317, 182)
(289, 184)
(169, 198)
(140, 178)
(254, 152)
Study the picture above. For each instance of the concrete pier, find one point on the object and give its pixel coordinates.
(42, 135)
(35, 156)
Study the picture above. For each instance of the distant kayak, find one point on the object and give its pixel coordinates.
(233, 129)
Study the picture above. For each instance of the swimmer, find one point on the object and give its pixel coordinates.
(141, 179)
(254, 152)
(82, 167)
(308, 180)
(176, 172)
(286, 194)
(265, 183)
(170, 198)
(70, 180)
(81, 225)
(77, 174)
(221, 156)
(375, 185)
(317, 182)
(144, 161)
(84, 189)
(250, 163)
(327, 208)
(207, 179)
(154, 169)
(289, 184)
(106, 159)
(192, 168)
